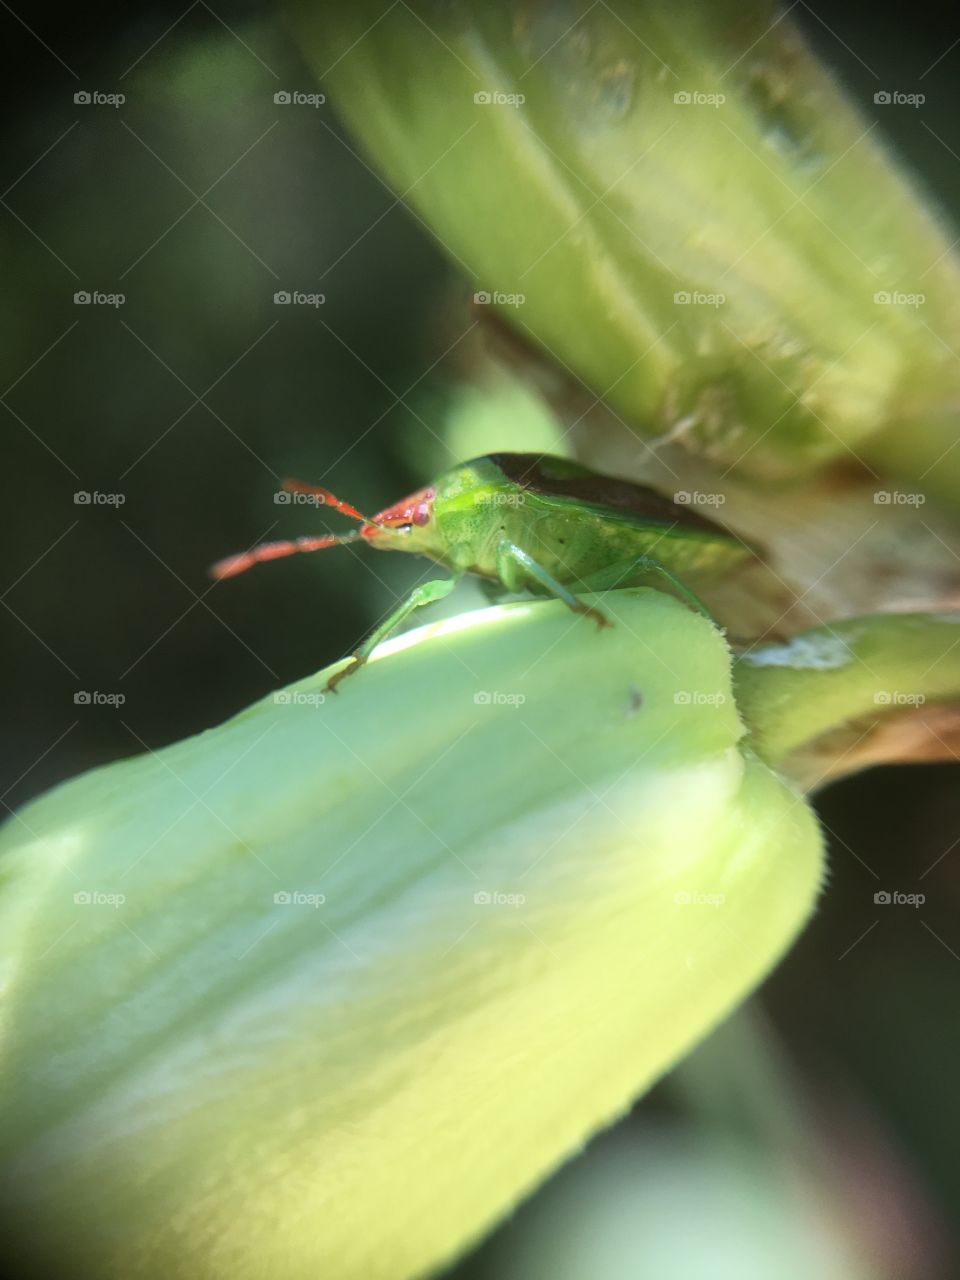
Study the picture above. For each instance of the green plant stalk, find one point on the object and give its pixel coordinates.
(858, 671)
(600, 198)
(499, 921)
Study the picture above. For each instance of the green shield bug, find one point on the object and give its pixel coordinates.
(526, 522)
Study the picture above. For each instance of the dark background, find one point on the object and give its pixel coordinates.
(194, 398)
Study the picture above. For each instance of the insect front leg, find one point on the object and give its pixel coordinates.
(426, 593)
(510, 558)
(630, 573)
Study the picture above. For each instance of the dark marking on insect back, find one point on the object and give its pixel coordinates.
(558, 478)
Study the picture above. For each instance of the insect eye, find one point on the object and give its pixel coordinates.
(421, 514)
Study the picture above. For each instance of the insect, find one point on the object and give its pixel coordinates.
(525, 522)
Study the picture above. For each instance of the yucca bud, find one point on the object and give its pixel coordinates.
(677, 204)
(325, 990)
(861, 691)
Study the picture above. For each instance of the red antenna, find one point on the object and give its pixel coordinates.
(329, 499)
(233, 565)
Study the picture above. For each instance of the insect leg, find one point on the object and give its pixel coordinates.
(629, 573)
(426, 593)
(492, 589)
(509, 555)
